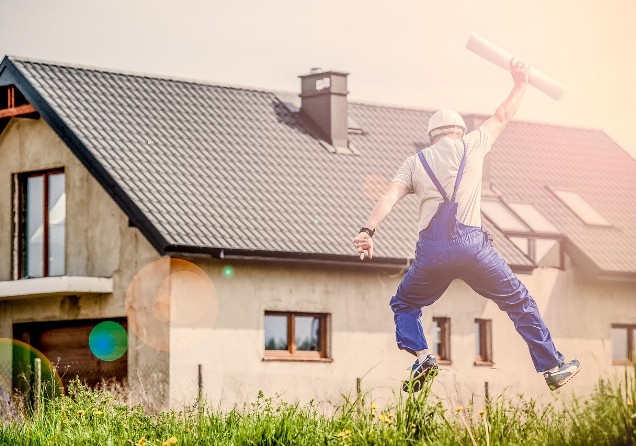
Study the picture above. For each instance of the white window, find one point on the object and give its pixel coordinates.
(533, 218)
(584, 210)
(501, 216)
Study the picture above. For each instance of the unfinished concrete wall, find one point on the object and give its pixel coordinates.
(99, 242)
(578, 311)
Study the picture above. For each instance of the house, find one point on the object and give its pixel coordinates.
(213, 224)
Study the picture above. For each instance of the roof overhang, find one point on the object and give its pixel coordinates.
(55, 286)
(308, 259)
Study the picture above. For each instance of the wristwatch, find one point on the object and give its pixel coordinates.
(368, 231)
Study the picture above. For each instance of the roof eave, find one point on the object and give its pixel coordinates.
(304, 257)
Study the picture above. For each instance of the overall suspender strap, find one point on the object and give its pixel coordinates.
(460, 173)
(432, 176)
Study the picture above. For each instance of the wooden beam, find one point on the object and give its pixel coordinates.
(17, 111)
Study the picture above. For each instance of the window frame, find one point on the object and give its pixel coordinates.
(444, 323)
(292, 354)
(530, 235)
(604, 222)
(22, 220)
(631, 354)
(485, 343)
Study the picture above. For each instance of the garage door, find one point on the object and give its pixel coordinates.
(66, 345)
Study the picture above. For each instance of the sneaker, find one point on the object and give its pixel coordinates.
(419, 373)
(566, 372)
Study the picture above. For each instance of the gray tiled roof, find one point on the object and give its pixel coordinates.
(223, 167)
(531, 158)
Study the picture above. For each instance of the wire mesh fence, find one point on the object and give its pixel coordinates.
(184, 385)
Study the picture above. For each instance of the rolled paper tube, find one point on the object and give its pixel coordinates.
(492, 53)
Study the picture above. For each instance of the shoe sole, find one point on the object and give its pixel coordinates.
(566, 379)
(415, 384)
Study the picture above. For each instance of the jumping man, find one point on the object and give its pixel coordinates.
(451, 243)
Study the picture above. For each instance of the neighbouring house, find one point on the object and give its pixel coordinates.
(215, 223)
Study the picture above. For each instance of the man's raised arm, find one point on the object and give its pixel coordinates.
(505, 112)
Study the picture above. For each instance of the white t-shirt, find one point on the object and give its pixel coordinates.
(444, 157)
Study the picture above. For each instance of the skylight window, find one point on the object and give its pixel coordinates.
(353, 126)
(535, 219)
(528, 229)
(581, 208)
(502, 216)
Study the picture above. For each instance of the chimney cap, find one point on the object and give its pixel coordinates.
(321, 72)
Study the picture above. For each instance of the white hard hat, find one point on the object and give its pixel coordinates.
(445, 121)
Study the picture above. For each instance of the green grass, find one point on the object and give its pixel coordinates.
(92, 417)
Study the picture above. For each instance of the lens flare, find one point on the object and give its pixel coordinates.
(108, 341)
(228, 271)
(170, 294)
(18, 371)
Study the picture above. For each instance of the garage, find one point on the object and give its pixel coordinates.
(66, 345)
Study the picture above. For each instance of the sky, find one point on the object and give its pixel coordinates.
(410, 53)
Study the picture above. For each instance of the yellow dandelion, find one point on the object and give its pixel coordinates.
(482, 412)
(169, 441)
(81, 412)
(458, 409)
(374, 406)
(141, 442)
(386, 418)
(344, 433)
(97, 412)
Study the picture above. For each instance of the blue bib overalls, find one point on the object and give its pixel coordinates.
(448, 250)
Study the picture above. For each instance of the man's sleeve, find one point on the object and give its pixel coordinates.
(404, 174)
(479, 141)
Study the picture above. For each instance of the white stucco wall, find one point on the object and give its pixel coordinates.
(579, 312)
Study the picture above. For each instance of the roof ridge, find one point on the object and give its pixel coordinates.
(132, 73)
(363, 102)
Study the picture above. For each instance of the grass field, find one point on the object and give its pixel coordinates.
(91, 417)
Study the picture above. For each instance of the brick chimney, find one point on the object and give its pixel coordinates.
(323, 100)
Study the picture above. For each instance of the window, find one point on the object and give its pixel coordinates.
(295, 336)
(41, 237)
(528, 229)
(533, 218)
(584, 210)
(623, 344)
(502, 216)
(441, 339)
(483, 342)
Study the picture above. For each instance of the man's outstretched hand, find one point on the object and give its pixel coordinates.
(363, 243)
(519, 70)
